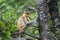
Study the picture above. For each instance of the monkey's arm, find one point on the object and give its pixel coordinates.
(33, 23)
(26, 20)
(29, 20)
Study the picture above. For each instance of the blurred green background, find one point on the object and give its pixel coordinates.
(10, 11)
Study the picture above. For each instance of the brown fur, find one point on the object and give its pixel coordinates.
(23, 21)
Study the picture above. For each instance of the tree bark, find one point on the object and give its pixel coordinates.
(43, 18)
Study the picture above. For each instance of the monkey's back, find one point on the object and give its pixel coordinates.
(20, 23)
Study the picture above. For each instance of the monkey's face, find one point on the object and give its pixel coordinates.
(27, 15)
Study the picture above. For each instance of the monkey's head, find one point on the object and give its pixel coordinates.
(26, 14)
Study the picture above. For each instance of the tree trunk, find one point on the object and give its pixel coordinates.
(43, 18)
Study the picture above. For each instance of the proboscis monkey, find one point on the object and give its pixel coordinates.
(23, 21)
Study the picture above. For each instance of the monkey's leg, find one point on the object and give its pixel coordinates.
(22, 29)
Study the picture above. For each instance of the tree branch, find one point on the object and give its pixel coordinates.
(18, 33)
(33, 23)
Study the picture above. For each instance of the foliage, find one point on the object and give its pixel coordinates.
(10, 11)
